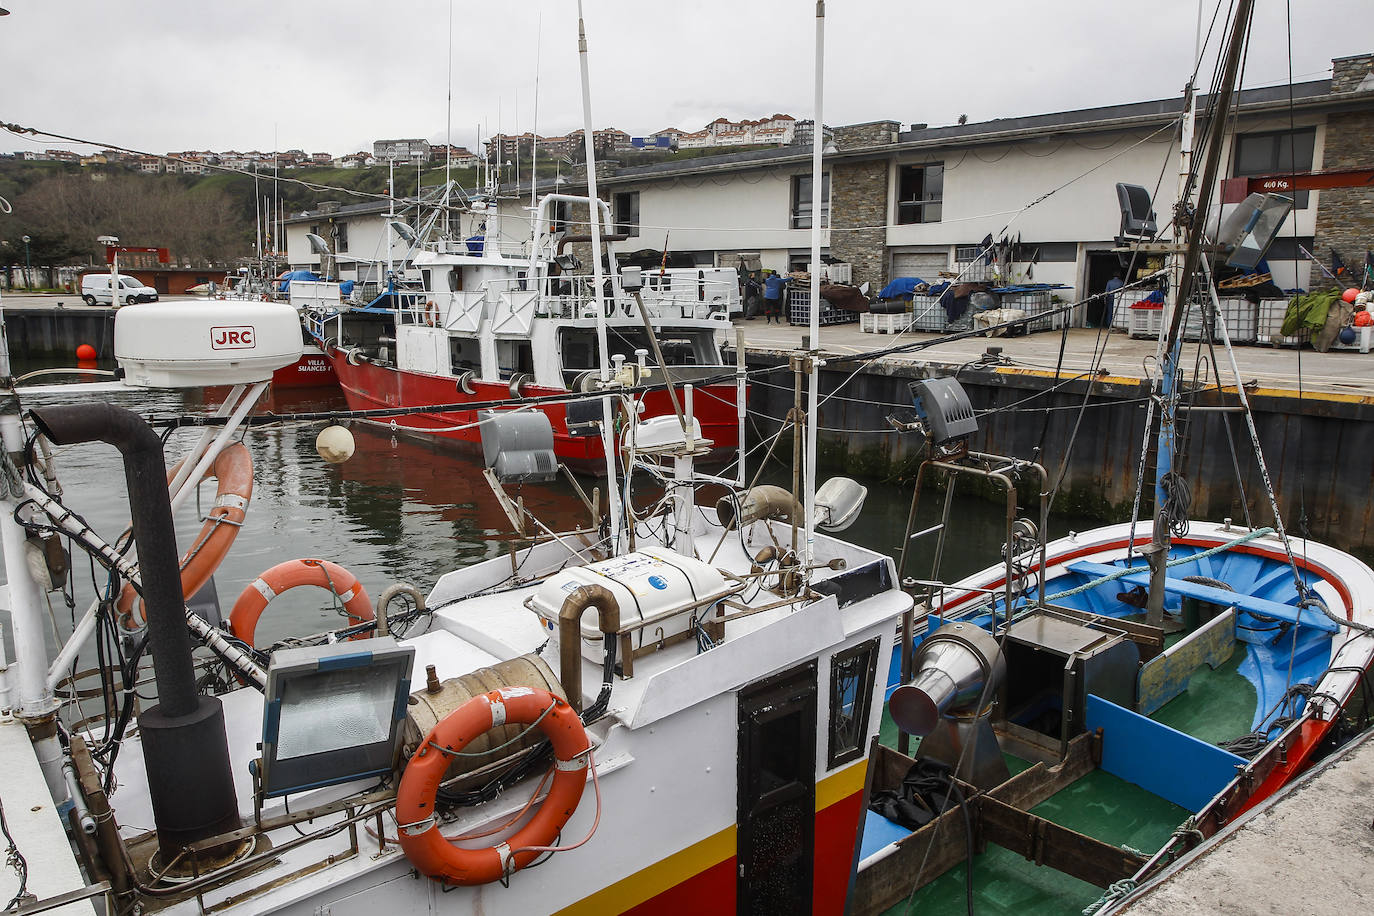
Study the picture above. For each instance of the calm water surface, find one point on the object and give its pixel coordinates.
(402, 509)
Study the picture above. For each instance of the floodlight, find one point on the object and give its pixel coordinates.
(317, 244)
(402, 229)
(944, 406)
(1247, 233)
(518, 446)
(333, 713)
(1137, 219)
(838, 502)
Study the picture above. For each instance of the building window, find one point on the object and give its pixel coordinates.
(340, 238)
(1276, 153)
(851, 696)
(920, 193)
(626, 207)
(801, 201)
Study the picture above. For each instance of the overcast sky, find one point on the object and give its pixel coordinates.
(169, 75)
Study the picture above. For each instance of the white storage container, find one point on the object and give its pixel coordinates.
(927, 314)
(194, 344)
(894, 323)
(1239, 314)
(656, 588)
(1270, 324)
(1145, 319)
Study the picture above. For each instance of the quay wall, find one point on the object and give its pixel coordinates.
(49, 332)
(1319, 448)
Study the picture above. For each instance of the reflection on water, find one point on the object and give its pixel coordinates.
(405, 510)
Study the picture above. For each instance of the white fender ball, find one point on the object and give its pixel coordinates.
(335, 444)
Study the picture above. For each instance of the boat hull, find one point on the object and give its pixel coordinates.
(313, 370)
(367, 386)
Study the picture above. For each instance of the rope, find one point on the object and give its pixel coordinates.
(1119, 890)
(448, 752)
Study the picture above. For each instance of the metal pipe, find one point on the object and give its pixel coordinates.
(817, 199)
(83, 813)
(570, 634)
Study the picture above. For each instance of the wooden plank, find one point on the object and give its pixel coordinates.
(1032, 786)
(918, 860)
(1219, 596)
(1046, 843)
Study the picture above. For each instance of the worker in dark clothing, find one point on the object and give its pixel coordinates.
(1109, 301)
(753, 292)
(774, 288)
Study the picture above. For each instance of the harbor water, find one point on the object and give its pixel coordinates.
(407, 510)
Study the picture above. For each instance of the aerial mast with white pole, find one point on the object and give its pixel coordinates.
(593, 213)
(813, 393)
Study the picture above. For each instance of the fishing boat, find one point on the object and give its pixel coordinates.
(493, 324)
(1098, 706)
(664, 710)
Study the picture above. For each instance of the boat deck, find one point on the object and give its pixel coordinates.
(1304, 850)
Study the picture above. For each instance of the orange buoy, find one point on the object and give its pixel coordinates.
(85, 352)
(233, 471)
(253, 600)
(428, 849)
(1350, 294)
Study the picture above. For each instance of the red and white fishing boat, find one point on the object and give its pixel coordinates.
(497, 324)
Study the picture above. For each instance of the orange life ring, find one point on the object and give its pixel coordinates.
(428, 849)
(233, 470)
(252, 601)
(431, 314)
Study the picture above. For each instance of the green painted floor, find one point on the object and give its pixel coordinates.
(1213, 708)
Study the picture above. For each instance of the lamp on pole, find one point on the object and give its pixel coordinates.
(110, 242)
(28, 282)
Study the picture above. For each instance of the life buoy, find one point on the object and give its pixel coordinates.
(253, 600)
(431, 313)
(233, 472)
(428, 849)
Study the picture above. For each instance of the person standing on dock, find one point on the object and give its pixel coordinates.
(1109, 300)
(774, 287)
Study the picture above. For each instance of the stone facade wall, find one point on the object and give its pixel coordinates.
(858, 198)
(1348, 72)
(870, 133)
(1345, 216)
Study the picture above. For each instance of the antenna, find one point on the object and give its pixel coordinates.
(448, 120)
(534, 131)
(817, 200)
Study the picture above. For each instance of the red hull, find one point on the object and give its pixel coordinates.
(370, 387)
(312, 370)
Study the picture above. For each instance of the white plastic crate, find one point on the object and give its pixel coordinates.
(1035, 303)
(836, 273)
(1239, 314)
(799, 310)
(1121, 312)
(974, 272)
(1270, 324)
(892, 323)
(1145, 319)
(927, 314)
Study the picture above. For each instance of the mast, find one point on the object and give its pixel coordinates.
(813, 392)
(1194, 220)
(607, 427)
(448, 122)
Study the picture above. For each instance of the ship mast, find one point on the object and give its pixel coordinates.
(1193, 219)
(817, 202)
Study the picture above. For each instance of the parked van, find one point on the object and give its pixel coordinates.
(96, 288)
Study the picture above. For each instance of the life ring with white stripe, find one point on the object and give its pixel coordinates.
(233, 473)
(429, 850)
(253, 600)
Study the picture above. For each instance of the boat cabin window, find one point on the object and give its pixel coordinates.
(684, 347)
(514, 357)
(464, 353)
(851, 696)
(427, 279)
(455, 280)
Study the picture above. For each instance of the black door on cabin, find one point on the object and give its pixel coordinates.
(777, 793)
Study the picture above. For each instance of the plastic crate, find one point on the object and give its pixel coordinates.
(1241, 317)
(1270, 324)
(1121, 312)
(974, 272)
(1145, 319)
(927, 314)
(799, 310)
(892, 323)
(1035, 303)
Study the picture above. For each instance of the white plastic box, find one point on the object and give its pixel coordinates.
(1270, 324)
(1239, 314)
(1145, 319)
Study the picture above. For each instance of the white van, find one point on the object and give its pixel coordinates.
(96, 288)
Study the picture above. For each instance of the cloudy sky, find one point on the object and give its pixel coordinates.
(167, 75)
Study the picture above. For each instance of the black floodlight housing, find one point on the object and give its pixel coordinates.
(584, 417)
(567, 262)
(1251, 228)
(1137, 219)
(333, 713)
(518, 446)
(945, 408)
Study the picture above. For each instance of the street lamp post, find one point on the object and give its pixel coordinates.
(111, 241)
(28, 281)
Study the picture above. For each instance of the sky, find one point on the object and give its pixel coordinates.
(170, 75)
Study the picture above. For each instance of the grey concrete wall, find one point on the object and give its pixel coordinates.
(58, 332)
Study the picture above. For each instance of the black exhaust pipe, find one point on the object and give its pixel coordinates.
(185, 748)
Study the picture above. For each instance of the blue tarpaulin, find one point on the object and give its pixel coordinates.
(901, 288)
(290, 275)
